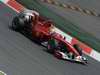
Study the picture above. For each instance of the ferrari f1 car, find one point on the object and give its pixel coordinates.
(43, 31)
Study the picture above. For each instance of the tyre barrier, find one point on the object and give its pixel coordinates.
(72, 7)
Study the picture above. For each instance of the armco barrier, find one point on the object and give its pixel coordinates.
(89, 51)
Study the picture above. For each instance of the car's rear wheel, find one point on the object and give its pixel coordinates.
(16, 25)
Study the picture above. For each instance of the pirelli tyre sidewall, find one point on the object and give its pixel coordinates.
(16, 24)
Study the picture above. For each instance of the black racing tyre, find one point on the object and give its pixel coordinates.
(16, 24)
(76, 46)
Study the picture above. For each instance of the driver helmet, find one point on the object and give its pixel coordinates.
(52, 29)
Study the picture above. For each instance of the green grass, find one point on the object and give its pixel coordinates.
(63, 24)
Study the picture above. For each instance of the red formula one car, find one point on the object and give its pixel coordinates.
(43, 31)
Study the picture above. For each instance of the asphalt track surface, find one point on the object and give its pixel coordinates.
(20, 56)
(90, 24)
